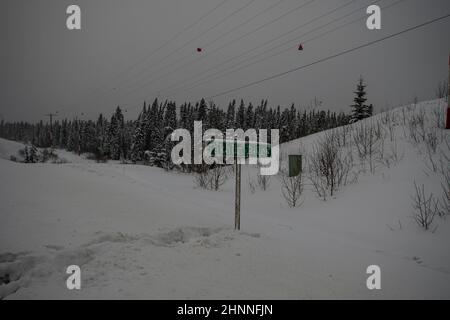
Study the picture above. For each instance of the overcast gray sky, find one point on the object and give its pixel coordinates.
(47, 68)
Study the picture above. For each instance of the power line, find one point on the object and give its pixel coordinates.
(262, 26)
(178, 34)
(270, 41)
(244, 23)
(330, 57)
(234, 40)
(221, 74)
(173, 38)
(219, 37)
(195, 38)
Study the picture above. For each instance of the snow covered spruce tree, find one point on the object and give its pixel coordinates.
(116, 132)
(160, 121)
(249, 117)
(145, 138)
(240, 116)
(30, 154)
(138, 140)
(359, 109)
(260, 117)
(231, 112)
(74, 137)
(170, 124)
(102, 147)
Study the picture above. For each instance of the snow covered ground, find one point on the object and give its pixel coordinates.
(140, 232)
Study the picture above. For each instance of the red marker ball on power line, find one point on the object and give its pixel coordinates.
(199, 49)
(300, 47)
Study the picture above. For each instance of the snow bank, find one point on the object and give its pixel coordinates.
(9, 148)
(141, 232)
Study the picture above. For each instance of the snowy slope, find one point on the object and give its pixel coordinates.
(140, 232)
(9, 148)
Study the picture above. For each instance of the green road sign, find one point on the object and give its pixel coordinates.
(252, 149)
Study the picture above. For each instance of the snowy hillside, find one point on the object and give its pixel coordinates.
(140, 232)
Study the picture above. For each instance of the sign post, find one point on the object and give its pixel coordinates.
(241, 150)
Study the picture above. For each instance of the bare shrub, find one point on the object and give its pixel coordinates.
(202, 179)
(251, 185)
(263, 181)
(389, 122)
(291, 188)
(430, 164)
(439, 117)
(219, 177)
(379, 131)
(343, 136)
(212, 178)
(391, 128)
(431, 141)
(442, 90)
(444, 202)
(385, 117)
(392, 155)
(425, 207)
(329, 167)
(404, 116)
(367, 144)
(447, 143)
(416, 125)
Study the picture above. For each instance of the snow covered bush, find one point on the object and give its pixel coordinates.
(29, 153)
(99, 156)
(48, 154)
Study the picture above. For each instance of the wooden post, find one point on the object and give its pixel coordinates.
(237, 208)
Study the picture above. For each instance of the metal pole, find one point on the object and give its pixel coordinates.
(237, 211)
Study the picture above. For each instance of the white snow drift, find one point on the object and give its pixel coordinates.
(141, 232)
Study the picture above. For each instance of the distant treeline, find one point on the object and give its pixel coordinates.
(146, 138)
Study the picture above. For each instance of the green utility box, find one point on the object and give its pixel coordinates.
(295, 165)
